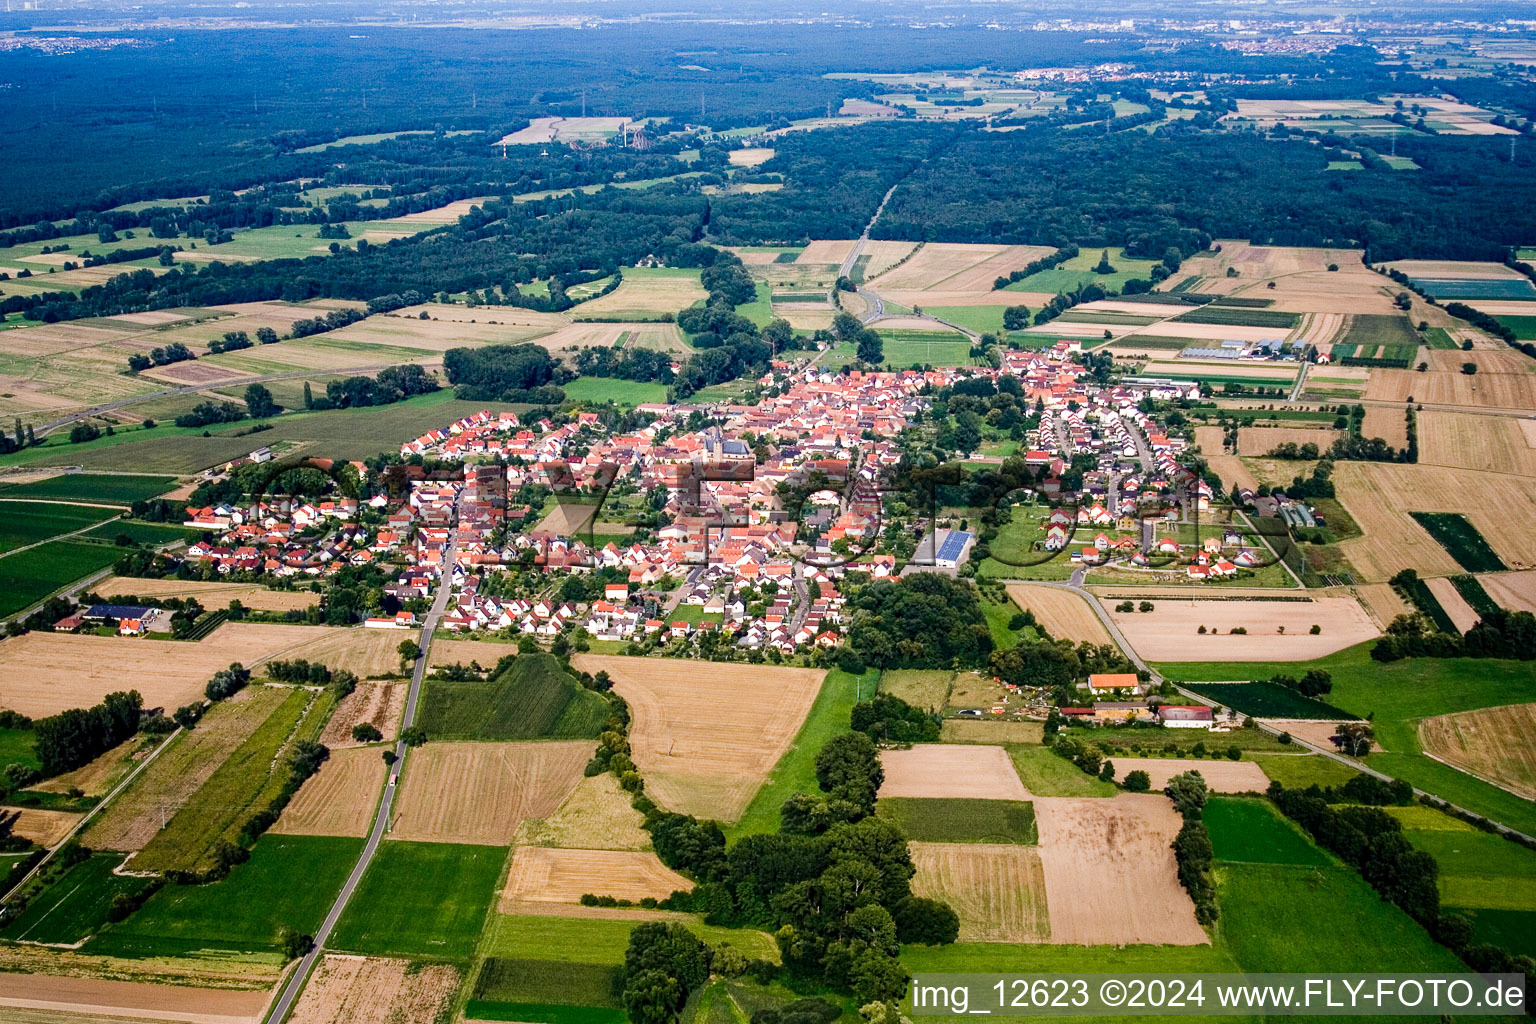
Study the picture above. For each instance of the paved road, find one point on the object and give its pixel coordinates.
(296, 980)
(1075, 584)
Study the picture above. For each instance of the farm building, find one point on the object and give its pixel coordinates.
(1185, 716)
(952, 549)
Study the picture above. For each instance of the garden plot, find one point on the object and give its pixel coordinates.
(935, 770)
(997, 890)
(367, 990)
(1220, 776)
(1110, 874)
(545, 875)
(705, 736)
(481, 792)
(1495, 744)
(1276, 630)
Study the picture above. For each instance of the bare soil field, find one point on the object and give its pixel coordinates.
(1380, 495)
(210, 594)
(371, 990)
(542, 874)
(1513, 590)
(1220, 776)
(379, 702)
(1497, 744)
(1110, 875)
(596, 816)
(1454, 604)
(997, 890)
(42, 827)
(1210, 439)
(1456, 439)
(706, 735)
(832, 251)
(1262, 440)
(1064, 614)
(49, 672)
(164, 786)
(339, 799)
(129, 999)
(1447, 387)
(979, 772)
(962, 730)
(1170, 632)
(1391, 425)
(481, 792)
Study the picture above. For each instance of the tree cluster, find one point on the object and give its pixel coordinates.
(925, 620)
(72, 738)
(887, 718)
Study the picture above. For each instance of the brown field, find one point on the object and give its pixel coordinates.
(1447, 387)
(96, 778)
(958, 267)
(162, 788)
(379, 702)
(938, 770)
(1210, 439)
(1170, 632)
(369, 990)
(596, 816)
(830, 251)
(167, 673)
(1495, 744)
(583, 334)
(1220, 776)
(541, 874)
(466, 652)
(1110, 875)
(481, 792)
(1513, 590)
(1303, 284)
(643, 294)
(71, 996)
(1454, 604)
(997, 890)
(1318, 733)
(1494, 443)
(1261, 440)
(340, 798)
(45, 828)
(1382, 602)
(751, 156)
(1380, 495)
(1064, 614)
(1391, 425)
(1462, 269)
(1232, 471)
(1489, 360)
(211, 970)
(705, 735)
(964, 730)
(210, 594)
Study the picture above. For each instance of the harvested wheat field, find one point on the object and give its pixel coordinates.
(379, 702)
(1494, 744)
(1232, 471)
(45, 673)
(1317, 732)
(1220, 776)
(542, 874)
(832, 250)
(997, 890)
(883, 255)
(958, 267)
(582, 334)
(648, 291)
(368, 990)
(161, 789)
(1064, 614)
(1452, 387)
(481, 792)
(339, 799)
(1171, 631)
(1262, 440)
(971, 730)
(467, 652)
(706, 735)
(1380, 495)
(45, 828)
(751, 156)
(74, 998)
(1391, 425)
(1513, 590)
(1454, 604)
(596, 816)
(1456, 439)
(1110, 875)
(210, 594)
(1382, 602)
(979, 772)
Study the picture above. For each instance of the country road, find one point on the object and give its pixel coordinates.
(296, 980)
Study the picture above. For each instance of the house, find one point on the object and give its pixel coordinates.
(1185, 716)
(1106, 682)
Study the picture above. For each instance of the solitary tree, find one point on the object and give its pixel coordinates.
(409, 650)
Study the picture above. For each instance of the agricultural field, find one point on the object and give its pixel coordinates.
(60, 999)
(1262, 440)
(97, 488)
(602, 940)
(1514, 590)
(1298, 771)
(379, 703)
(1251, 831)
(1276, 630)
(645, 294)
(545, 875)
(955, 274)
(533, 699)
(1078, 272)
(1451, 602)
(1220, 776)
(1045, 774)
(943, 771)
(680, 711)
(479, 793)
(1461, 539)
(922, 688)
(608, 389)
(26, 523)
(93, 779)
(1263, 699)
(596, 816)
(998, 891)
(1490, 743)
(1496, 443)
(394, 913)
(968, 730)
(339, 799)
(1498, 388)
(209, 593)
(27, 577)
(75, 905)
(1065, 615)
(962, 820)
(359, 990)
